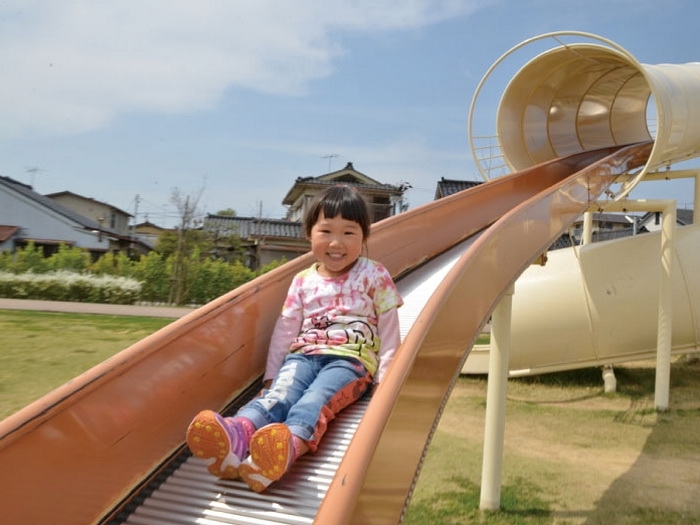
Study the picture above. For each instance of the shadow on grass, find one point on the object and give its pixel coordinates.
(583, 377)
(663, 485)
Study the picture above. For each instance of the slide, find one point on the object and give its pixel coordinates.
(115, 433)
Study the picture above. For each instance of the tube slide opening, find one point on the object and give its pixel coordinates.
(583, 96)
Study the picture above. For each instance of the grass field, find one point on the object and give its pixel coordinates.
(573, 454)
(41, 350)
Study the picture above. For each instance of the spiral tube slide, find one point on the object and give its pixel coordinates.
(583, 96)
(577, 97)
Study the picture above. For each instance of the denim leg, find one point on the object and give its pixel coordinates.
(296, 374)
(336, 378)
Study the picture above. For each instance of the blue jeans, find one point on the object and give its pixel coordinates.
(307, 393)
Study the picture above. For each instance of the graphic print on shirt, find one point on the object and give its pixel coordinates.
(352, 336)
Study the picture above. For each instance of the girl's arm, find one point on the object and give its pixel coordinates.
(390, 337)
(285, 331)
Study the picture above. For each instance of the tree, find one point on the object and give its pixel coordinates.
(187, 208)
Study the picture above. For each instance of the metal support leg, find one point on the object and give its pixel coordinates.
(665, 331)
(496, 404)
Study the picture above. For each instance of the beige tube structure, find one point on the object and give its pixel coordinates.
(598, 304)
(582, 96)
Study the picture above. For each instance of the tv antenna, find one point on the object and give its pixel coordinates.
(33, 170)
(330, 158)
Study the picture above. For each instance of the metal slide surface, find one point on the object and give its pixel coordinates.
(80, 451)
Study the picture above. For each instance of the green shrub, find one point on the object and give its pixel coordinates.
(69, 258)
(69, 286)
(6, 261)
(272, 265)
(113, 264)
(214, 278)
(152, 271)
(29, 259)
(187, 280)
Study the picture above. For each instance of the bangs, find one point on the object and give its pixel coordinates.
(343, 200)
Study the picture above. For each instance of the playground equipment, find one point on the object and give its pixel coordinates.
(576, 97)
(108, 446)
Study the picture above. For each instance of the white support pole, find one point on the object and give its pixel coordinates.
(496, 404)
(665, 327)
(587, 233)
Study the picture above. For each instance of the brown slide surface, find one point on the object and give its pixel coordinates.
(77, 453)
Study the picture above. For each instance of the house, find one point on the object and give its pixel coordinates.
(100, 212)
(148, 233)
(652, 220)
(27, 216)
(263, 241)
(606, 226)
(446, 187)
(384, 200)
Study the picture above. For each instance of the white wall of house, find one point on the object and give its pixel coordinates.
(97, 211)
(39, 222)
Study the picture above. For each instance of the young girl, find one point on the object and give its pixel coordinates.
(337, 333)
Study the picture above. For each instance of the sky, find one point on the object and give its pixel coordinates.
(228, 102)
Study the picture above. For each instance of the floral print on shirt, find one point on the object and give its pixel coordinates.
(339, 314)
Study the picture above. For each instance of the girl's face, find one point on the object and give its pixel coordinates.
(336, 243)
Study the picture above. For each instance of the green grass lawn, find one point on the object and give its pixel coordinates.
(41, 350)
(573, 454)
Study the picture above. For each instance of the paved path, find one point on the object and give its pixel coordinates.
(93, 308)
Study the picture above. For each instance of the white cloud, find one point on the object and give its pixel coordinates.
(73, 66)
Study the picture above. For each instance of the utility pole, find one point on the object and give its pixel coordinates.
(133, 224)
(178, 272)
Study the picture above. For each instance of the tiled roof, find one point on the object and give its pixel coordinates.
(447, 187)
(684, 216)
(317, 181)
(246, 227)
(46, 202)
(348, 175)
(617, 218)
(6, 232)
